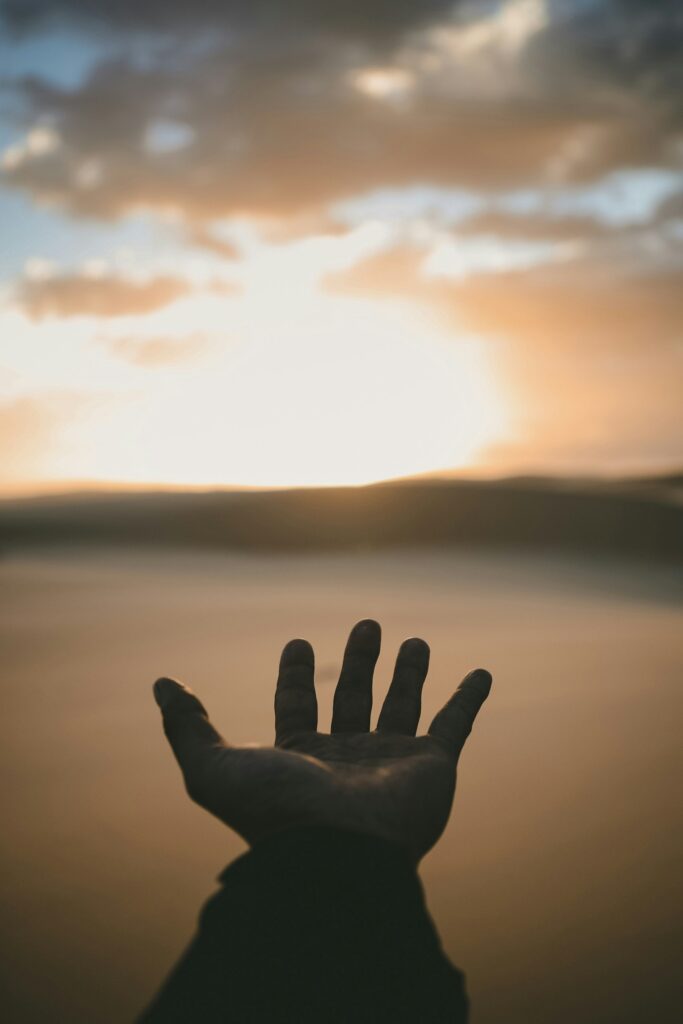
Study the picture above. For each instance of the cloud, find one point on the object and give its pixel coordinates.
(462, 257)
(152, 353)
(528, 150)
(586, 310)
(38, 142)
(356, 18)
(202, 238)
(72, 295)
(343, 98)
(635, 45)
(591, 353)
(590, 303)
(496, 223)
(272, 137)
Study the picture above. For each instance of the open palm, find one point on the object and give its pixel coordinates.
(387, 783)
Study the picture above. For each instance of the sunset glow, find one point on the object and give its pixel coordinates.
(330, 245)
(303, 390)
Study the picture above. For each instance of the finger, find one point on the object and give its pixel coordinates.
(453, 723)
(353, 696)
(296, 707)
(401, 709)
(186, 724)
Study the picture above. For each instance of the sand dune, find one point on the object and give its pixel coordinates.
(636, 518)
(554, 885)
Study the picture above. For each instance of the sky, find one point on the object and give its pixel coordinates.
(254, 243)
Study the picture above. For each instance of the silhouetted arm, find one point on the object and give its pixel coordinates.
(324, 919)
(315, 925)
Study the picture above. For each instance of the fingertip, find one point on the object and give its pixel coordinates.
(365, 639)
(297, 652)
(367, 626)
(416, 648)
(174, 698)
(473, 690)
(165, 689)
(366, 636)
(480, 678)
(415, 641)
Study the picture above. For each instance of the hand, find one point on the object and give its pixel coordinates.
(386, 783)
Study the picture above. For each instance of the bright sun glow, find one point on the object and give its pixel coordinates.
(315, 390)
(275, 383)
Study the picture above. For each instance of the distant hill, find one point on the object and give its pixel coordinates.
(638, 518)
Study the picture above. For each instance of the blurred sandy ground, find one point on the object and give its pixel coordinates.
(554, 886)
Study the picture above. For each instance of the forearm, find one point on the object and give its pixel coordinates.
(315, 925)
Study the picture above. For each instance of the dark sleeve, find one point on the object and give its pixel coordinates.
(314, 925)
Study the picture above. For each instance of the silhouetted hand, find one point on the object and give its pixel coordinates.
(386, 783)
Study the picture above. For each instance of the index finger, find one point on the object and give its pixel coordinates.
(296, 706)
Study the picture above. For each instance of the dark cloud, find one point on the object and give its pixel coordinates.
(364, 18)
(280, 139)
(670, 209)
(626, 55)
(80, 295)
(634, 45)
(278, 127)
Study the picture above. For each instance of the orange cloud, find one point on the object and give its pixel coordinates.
(155, 352)
(591, 354)
(80, 295)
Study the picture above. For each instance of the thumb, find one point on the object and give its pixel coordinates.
(454, 722)
(186, 723)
